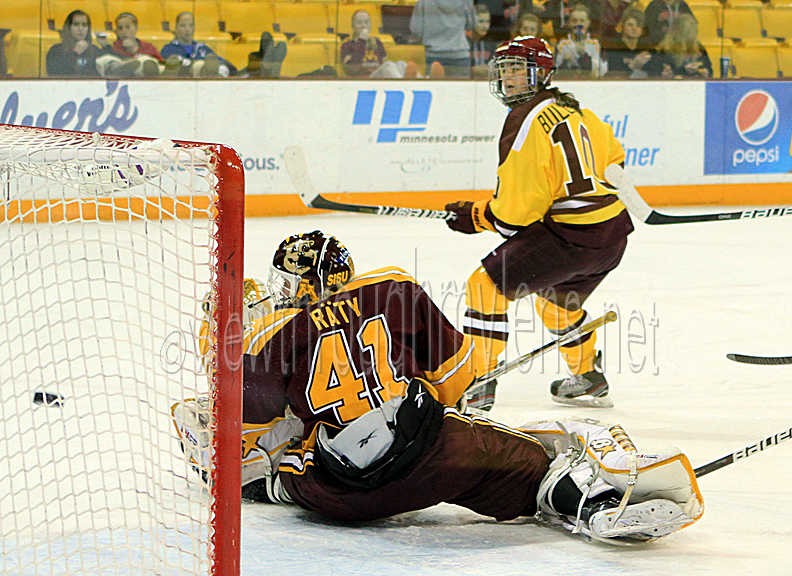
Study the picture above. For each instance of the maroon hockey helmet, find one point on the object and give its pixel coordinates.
(308, 267)
(519, 69)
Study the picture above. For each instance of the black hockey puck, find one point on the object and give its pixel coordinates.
(47, 398)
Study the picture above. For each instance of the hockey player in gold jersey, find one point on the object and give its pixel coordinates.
(565, 228)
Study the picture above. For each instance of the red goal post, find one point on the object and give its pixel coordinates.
(109, 247)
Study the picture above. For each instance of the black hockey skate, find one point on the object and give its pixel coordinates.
(589, 389)
(482, 397)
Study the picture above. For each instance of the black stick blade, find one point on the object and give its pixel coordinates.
(766, 360)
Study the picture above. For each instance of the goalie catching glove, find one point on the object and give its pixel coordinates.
(256, 303)
(598, 485)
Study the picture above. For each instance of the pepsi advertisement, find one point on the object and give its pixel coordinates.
(748, 128)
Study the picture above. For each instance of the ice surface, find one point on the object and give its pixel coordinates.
(687, 295)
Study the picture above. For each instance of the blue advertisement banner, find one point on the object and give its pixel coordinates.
(748, 128)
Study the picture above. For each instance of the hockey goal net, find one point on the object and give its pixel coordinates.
(109, 246)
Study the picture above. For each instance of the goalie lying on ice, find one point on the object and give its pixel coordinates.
(373, 382)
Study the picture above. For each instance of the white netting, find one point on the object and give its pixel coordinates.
(100, 316)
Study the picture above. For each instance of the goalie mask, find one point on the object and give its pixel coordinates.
(307, 268)
(520, 69)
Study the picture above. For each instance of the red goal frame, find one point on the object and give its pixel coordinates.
(228, 275)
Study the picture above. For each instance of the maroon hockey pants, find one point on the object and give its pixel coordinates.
(481, 465)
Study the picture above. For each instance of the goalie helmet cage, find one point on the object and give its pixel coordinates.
(108, 250)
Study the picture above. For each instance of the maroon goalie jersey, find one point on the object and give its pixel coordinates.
(343, 356)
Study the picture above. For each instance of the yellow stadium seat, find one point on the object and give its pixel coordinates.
(386, 39)
(708, 21)
(301, 18)
(758, 42)
(742, 23)
(148, 12)
(157, 37)
(777, 23)
(755, 61)
(785, 61)
(756, 4)
(214, 41)
(237, 54)
(331, 42)
(408, 53)
(341, 17)
(704, 4)
(251, 18)
(255, 39)
(96, 9)
(26, 52)
(206, 12)
(315, 38)
(302, 58)
(24, 16)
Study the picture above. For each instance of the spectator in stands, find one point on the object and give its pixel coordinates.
(512, 11)
(128, 57)
(75, 55)
(559, 12)
(441, 26)
(481, 47)
(579, 52)
(527, 25)
(680, 54)
(660, 15)
(630, 54)
(186, 57)
(500, 25)
(611, 12)
(364, 56)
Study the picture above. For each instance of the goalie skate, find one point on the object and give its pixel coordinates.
(643, 521)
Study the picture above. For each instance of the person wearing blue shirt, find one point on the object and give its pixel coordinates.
(186, 57)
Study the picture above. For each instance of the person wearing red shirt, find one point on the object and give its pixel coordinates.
(128, 56)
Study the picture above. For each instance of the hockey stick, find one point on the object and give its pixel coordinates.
(638, 207)
(503, 367)
(767, 360)
(743, 453)
(297, 167)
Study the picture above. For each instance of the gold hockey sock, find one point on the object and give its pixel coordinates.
(580, 355)
(485, 320)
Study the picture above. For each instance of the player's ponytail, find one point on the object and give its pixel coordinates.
(565, 99)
